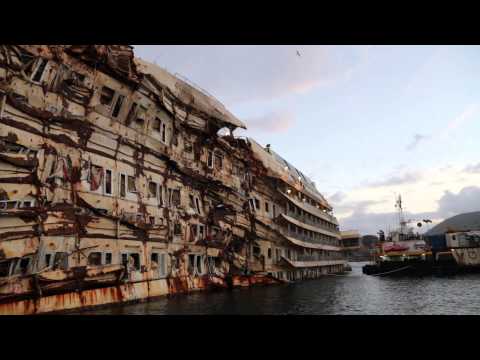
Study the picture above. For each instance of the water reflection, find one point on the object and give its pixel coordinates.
(354, 293)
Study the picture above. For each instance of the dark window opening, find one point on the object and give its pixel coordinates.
(175, 197)
(257, 203)
(188, 147)
(124, 259)
(95, 258)
(60, 261)
(177, 229)
(48, 257)
(40, 69)
(197, 202)
(5, 268)
(152, 220)
(267, 207)
(106, 96)
(108, 258)
(108, 182)
(269, 253)
(152, 189)
(136, 260)
(210, 159)
(24, 262)
(256, 250)
(118, 106)
(164, 130)
(154, 258)
(199, 265)
(123, 187)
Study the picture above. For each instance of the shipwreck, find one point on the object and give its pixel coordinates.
(121, 182)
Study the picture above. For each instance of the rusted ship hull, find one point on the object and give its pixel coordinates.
(116, 185)
(126, 293)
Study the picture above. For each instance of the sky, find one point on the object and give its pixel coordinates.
(366, 123)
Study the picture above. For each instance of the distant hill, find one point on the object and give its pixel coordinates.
(462, 222)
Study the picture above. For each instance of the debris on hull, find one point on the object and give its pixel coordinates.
(116, 186)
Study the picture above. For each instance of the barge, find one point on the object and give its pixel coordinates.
(121, 182)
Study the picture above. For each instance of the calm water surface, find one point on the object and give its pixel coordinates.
(350, 294)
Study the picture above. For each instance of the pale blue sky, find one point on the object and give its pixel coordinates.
(348, 116)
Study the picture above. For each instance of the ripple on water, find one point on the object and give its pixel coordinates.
(354, 293)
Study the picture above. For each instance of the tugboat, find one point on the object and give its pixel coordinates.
(402, 253)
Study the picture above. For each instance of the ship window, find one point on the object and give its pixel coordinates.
(201, 231)
(118, 106)
(257, 203)
(24, 262)
(48, 257)
(269, 253)
(108, 182)
(267, 207)
(157, 124)
(123, 185)
(152, 189)
(132, 113)
(152, 220)
(108, 258)
(177, 229)
(95, 258)
(175, 200)
(256, 250)
(197, 202)
(40, 69)
(199, 265)
(192, 201)
(210, 159)
(154, 260)
(136, 260)
(5, 268)
(131, 184)
(106, 96)
(160, 194)
(60, 261)
(164, 132)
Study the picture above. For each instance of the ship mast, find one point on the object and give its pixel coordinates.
(401, 218)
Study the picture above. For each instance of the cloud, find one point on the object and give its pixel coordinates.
(417, 138)
(272, 122)
(473, 169)
(241, 73)
(449, 204)
(337, 197)
(467, 200)
(406, 178)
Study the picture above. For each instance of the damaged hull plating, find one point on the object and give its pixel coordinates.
(115, 186)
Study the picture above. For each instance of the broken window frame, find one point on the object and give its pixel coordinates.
(105, 183)
(40, 66)
(95, 258)
(117, 107)
(210, 159)
(122, 184)
(106, 94)
(136, 257)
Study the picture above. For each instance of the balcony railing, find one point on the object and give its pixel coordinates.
(308, 221)
(332, 242)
